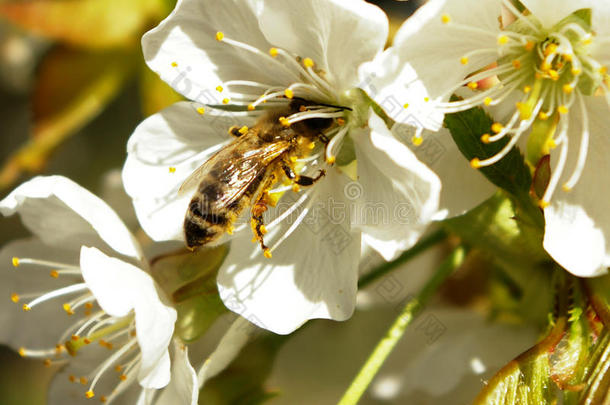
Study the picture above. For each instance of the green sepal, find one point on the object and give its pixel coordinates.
(189, 278)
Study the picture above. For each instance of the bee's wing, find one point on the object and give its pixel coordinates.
(237, 173)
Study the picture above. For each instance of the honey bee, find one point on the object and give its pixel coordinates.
(241, 174)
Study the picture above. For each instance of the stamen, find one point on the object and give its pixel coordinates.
(584, 147)
(57, 293)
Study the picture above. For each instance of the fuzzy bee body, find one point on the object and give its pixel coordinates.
(239, 175)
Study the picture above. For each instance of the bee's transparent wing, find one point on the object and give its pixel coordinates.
(194, 179)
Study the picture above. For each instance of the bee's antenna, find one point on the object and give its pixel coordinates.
(322, 104)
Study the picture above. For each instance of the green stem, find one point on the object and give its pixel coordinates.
(398, 328)
(424, 244)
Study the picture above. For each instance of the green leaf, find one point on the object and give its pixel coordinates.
(72, 87)
(511, 173)
(243, 381)
(86, 23)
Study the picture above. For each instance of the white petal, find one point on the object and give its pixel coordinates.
(227, 350)
(463, 188)
(601, 26)
(312, 274)
(183, 49)
(395, 86)
(550, 12)
(62, 213)
(178, 138)
(399, 194)
(120, 287)
(183, 388)
(338, 35)
(577, 232)
(22, 329)
(435, 49)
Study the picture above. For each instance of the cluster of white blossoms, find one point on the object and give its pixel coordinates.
(83, 280)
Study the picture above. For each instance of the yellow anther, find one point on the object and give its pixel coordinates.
(588, 40)
(340, 121)
(72, 378)
(473, 85)
(488, 101)
(517, 64)
(26, 307)
(475, 163)
(174, 64)
(568, 88)
(302, 108)
(603, 70)
(502, 40)
(445, 19)
(308, 62)
(118, 368)
(417, 140)
(89, 394)
(485, 138)
(76, 338)
(568, 57)
(543, 204)
(68, 309)
(243, 130)
(566, 188)
(47, 362)
(284, 121)
(529, 45)
(263, 229)
(464, 60)
(426, 99)
(293, 159)
(251, 107)
(497, 127)
(562, 109)
(15, 297)
(296, 188)
(172, 169)
(551, 49)
(230, 230)
(331, 160)
(22, 352)
(59, 348)
(201, 110)
(406, 106)
(225, 101)
(527, 89)
(543, 116)
(122, 377)
(54, 273)
(311, 145)
(219, 36)
(87, 341)
(103, 399)
(83, 380)
(273, 52)
(267, 254)
(15, 261)
(289, 93)
(219, 89)
(554, 74)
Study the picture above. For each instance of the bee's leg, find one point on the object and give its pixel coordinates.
(258, 224)
(323, 138)
(302, 180)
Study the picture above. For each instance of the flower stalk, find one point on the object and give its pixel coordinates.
(397, 330)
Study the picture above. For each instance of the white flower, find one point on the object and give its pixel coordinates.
(94, 303)
(545, 72)
(260, 55)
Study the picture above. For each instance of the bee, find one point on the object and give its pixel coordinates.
(241, 174)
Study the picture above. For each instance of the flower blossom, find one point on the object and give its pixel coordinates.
(241, 60)
(88, 302)
(542, 72)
